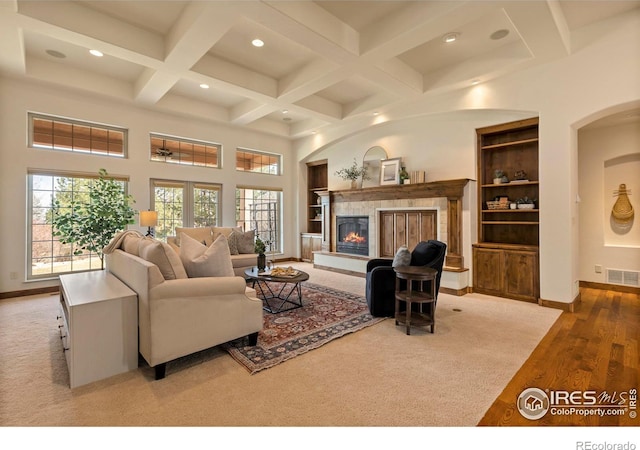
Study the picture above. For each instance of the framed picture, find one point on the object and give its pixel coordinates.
(390, 171)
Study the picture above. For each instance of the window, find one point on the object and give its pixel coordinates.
(47, 256)
(257, 161)
(261, 210)
(184, 204)
(56, 133)
(184, 151)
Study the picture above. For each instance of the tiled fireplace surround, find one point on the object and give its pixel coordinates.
(445, 197)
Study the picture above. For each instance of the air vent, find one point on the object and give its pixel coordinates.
(624, 277)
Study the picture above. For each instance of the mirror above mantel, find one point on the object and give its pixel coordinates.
(371, 161)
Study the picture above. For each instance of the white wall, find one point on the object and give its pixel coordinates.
(599, 244)
(19, 97)
(603, 71)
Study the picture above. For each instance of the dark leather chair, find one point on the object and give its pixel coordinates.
(381, 279)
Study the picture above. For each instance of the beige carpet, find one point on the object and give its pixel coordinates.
(376, 377)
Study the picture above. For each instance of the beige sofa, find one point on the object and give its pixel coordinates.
(207, 235)
(179, 315)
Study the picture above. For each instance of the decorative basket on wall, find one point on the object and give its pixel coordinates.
(622, 210)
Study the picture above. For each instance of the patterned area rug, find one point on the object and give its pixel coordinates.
(327, 314)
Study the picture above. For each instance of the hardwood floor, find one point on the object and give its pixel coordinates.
(592, 349)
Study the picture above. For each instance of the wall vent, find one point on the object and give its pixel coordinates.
(624, 277)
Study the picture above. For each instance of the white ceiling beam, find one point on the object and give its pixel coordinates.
(321, 22)
(199, 27)
(326, 109)
(249, 111)
(12, 52)
(83, 21)
(542, 28)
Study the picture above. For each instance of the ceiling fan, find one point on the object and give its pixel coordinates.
(166, 152)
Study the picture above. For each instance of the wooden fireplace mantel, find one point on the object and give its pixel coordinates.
(434, 189)
(452, 190)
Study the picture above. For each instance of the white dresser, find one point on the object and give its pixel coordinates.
(98, 326)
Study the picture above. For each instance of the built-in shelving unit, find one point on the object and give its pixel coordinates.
(506, 255)
(317, 182)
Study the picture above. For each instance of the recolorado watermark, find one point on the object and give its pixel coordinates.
(534, 403)
(588, 445)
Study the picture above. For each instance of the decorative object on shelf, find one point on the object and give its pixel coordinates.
(520, 175)
(404, 176)
(371, 163)
(149, 219)
(417, 176)
(622, 211)
(498, 176)
(513, 205)
(352, 173)
(498, 203)
(89, 223)
(390, 171)
(526, 203)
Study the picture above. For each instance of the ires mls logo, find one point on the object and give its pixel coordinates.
(534, 403)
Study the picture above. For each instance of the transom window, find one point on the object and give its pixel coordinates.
(184, 204)
(258, 161)
(261, 210)
(47, 256)
(58, 133)
(184, 151)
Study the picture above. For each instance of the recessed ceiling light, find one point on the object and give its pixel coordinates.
(499, 34)
(474, 82)
(257, 42)
(56, 54)
(376, 113)
(96, 53)
(285, 111)
(450, 37)
(204, 86)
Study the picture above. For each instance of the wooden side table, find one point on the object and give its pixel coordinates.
(411, 318)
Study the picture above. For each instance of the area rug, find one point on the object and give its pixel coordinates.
(327, 314)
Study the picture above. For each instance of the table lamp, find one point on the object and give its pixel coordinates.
(148, 219)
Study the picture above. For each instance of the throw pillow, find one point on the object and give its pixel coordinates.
(233, 243)
(163, 256)
(130, 244)
(424, 253)
(202, 261)
(402, 258)
(200, 234)
(244, 242)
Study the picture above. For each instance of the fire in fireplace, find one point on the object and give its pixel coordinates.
(352, 233)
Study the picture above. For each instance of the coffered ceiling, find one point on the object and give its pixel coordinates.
(326, 63)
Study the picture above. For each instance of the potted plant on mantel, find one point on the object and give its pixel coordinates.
(353, 173)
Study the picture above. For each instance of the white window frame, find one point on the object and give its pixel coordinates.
(94, 152)
(188, 206)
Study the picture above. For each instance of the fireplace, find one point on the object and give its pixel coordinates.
(352, 235)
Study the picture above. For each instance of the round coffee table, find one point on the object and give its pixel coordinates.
(290, 291)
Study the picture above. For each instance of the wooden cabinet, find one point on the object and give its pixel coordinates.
(309, 243)
(506, 271)
(506, 256)
(317, 181)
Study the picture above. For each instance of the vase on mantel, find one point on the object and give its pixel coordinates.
(354, 184)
